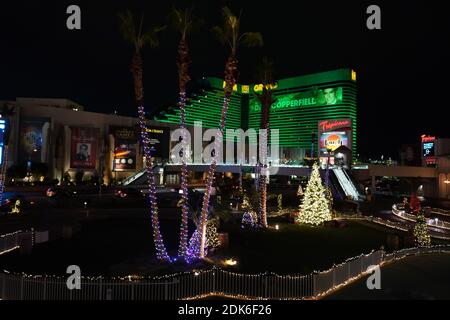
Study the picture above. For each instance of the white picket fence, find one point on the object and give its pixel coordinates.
(198, 284)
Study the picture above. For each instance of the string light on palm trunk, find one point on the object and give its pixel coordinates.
(161, 252)
(182, 250)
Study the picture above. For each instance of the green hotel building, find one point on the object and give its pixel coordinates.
(299, 104)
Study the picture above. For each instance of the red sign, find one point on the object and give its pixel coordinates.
(428, 138)
(328, 125)
(83, 154)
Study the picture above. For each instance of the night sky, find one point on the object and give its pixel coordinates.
(402, 69)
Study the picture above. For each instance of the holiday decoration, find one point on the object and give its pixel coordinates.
(315, 207)
(421, 235)
(280, 203)
(230, 34)
(16, 207)
(129, 25)
(193, 250)
(300, 191)
(249, 218)
(212, 237)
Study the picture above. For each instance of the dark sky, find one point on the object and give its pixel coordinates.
(402, 69)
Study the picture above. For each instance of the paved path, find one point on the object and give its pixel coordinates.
(416, 277)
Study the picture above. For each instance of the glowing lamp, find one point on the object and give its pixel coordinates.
(230, 262)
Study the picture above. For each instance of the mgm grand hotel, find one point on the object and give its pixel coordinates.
(315, 115)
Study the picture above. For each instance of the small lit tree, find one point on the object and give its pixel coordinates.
(315, 207)
(212, 237)
(249, 218)
(421, 235)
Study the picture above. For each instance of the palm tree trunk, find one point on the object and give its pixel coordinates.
(266, 101)
(136, 70)
(183, 65)
(230, 81)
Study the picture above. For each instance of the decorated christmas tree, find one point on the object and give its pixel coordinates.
(212, 237)
(315, 208)
(421, 235)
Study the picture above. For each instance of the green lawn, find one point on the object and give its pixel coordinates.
(301, 249)
(124, 245)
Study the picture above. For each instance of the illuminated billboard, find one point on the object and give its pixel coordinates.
(428, 145)
(334, 134)
(159, 141)
(31, 139)
(124, 148)
(83, 154)
(315, 97)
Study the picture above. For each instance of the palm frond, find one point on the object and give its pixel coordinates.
(220, 34)
(151, 37)
(252, 39)
(127, 26)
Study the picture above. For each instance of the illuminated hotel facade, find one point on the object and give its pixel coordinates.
(300, 106)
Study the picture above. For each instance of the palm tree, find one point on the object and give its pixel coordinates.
(6, 112)
(132, 32)
(229, 34)
(183, 22)
(266, 100)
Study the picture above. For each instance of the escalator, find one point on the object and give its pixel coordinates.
(336, 189)
(347, 184)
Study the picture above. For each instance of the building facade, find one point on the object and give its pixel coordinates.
(300, 104)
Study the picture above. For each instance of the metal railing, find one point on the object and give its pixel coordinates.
(198, 284)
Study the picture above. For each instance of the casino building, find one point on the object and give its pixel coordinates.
(315, 114)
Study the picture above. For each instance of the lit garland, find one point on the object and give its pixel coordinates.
(421, 235)
(161, 252)
(314, 208)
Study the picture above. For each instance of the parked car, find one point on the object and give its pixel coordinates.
(56, 192)
(127, 193)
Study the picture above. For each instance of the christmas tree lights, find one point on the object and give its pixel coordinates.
(212, 237)
(421, 235)
(315, 207)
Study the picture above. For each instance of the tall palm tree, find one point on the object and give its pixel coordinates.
(229, 33)
(266, 100)
(132, 32)
(183, 22)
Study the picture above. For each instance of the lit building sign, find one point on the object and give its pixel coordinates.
(334, 134)
(323, 97)
(428, 145)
